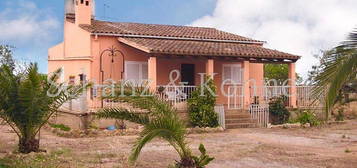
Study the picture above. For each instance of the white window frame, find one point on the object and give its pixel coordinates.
(232, 66)
(62, 75)
(140, 63)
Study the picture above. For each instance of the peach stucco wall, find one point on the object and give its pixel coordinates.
(112, 70)
(56, 52)
(256, 72)
(71, 68)
(77, 42)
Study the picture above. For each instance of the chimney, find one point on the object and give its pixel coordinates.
(83, 11)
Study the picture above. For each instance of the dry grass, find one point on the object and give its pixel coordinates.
(328, 146)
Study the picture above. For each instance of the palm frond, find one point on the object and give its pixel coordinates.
(123, 114)
(168, 127)
(339, 68)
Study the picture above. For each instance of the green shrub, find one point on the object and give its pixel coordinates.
(62, 127)
(340, 115)
(280, 114)
(307, 116)
(201, 106)
(200, 161)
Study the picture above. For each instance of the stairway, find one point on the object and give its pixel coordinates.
(239, 119)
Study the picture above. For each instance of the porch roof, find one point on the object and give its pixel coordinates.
(162, 46)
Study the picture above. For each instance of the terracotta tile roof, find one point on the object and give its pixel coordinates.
(162, 31)
(204, 48)
(185, 40)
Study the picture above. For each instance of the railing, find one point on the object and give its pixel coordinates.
(178, 96)
(235, 97)
(263, 94)
(305, 97)
(219, 109)
(175, 95)
(259, 113)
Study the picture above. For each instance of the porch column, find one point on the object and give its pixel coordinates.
(292, 84)
(152, 73)
(210, 67)
(246, 89)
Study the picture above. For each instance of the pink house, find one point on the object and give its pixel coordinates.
(151, 51)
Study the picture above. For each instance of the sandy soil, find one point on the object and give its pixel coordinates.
(328, 147)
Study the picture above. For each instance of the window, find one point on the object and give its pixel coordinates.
(136, 72)
(87, 3)
(233, 73)
(82, 1)
(72, 80)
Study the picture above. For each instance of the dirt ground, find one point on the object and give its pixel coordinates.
(326, 147)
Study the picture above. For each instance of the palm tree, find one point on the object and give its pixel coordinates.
(160, 121)
(26, 104)
(339, 69)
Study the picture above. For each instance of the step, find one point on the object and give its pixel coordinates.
(241, 120)
(240, 125)
(237, 116)
(235, 111)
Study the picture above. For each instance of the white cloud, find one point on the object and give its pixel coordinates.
(23, 23)
(302, 27)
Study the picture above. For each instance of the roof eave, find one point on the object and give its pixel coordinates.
(177, 38)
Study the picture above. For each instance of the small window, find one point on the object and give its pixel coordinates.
(82, 1)
(87, 3)
(72, 80)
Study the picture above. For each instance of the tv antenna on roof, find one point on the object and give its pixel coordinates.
(105, 6)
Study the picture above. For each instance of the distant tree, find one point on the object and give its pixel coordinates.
(278, 72)
(6, 57)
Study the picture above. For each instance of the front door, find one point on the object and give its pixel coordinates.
(188, 74)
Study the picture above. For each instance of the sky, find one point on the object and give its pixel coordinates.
(302, 27)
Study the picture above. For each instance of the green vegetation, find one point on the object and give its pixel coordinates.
(62, 127)
(26, 104)
(340, 115)
(6, 56)
(201, 106)
(347, 151)
(40, 160)
(201, 161)
(308, 116)
(278, 72)
(161, 121)
(280, 114)
(338, 71)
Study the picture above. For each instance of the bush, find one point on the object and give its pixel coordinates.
(201, 107)
(307, 116)
(62, 127)
(280, 114)
(340, 115)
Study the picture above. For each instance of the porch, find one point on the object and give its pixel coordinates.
(239, 82)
